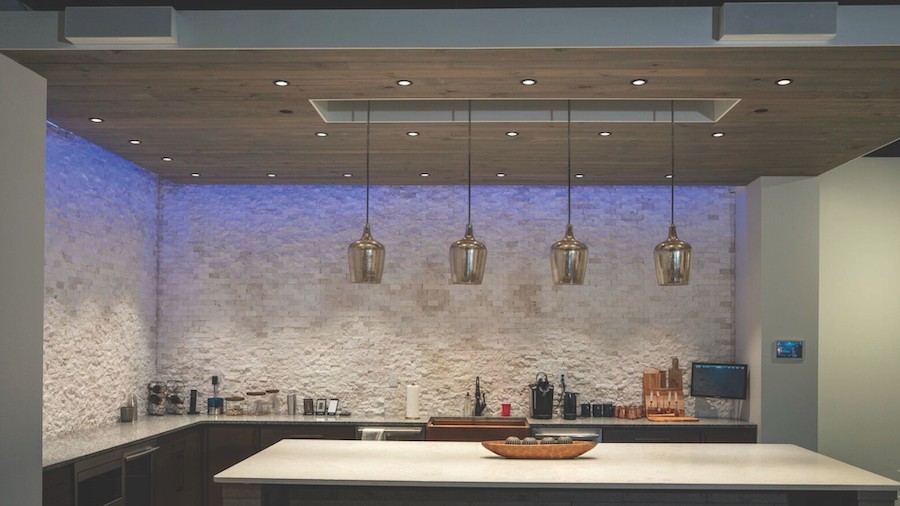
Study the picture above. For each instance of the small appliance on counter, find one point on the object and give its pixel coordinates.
(541, 397)
(215, 405)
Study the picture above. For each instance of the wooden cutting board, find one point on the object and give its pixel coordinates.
(672, 419)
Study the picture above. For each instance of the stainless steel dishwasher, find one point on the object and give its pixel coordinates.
(577, 433)
(391, 432)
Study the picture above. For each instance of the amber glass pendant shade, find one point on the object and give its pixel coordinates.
(366, 255)
(672, 257)
(468, 257)
(568, 259)
(366, 258)
(673, 260)
(568, 256)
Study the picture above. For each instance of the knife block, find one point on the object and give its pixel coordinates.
(663, 391)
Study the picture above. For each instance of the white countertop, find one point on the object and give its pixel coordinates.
(68, 446)
(607, 466)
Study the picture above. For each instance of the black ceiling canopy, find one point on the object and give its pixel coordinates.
(55, 5)
(892, 150)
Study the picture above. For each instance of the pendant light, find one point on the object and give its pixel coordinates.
(366, 255)
(673, 256)
(568, 256)
(467, 255)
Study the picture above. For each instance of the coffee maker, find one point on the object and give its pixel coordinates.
(541, 398)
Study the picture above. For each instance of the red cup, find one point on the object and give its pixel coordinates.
(505, 409)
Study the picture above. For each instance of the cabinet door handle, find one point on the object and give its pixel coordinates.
(649, 439)
(137, 455)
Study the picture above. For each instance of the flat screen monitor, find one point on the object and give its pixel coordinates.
(726, 381)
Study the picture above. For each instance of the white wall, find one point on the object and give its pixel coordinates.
(747, 294)
(23, 97)
(776, 282)
(100, 237)
(859, 401)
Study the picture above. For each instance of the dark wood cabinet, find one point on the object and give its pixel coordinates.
(178, 471)
(679, 435)
(271, 434)
(652, 435)
(225, 447)
(59, 487)
(186, 460)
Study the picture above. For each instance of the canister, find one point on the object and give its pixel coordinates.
(292, 404)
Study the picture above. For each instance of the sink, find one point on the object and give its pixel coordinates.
(475, 428)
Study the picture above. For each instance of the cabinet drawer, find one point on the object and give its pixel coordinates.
(652, 435)
(729, 435)
(269, 435)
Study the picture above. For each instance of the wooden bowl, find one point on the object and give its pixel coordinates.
(553, 452)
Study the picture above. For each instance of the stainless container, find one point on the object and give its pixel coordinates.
(126, 414)
(292, 404)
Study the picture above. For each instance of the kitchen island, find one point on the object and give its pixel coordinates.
(412, 472)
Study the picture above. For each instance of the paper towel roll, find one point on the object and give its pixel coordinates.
(412, 401)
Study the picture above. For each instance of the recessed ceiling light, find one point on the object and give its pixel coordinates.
(528, 82)
(604, 134)
(638, 82)
(668, 176)
(412, 134)
(512, 134)
(501, 174)
(96, 120)
(271, 174)
(718, 134)
(134, 141)
(347, 174)
(404, 82)
(424, 174)
(281, 82)
(166, 158)
(579, 176)
(321, 134)
(195, 174)
(784, 82)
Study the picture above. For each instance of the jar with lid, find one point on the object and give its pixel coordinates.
(257, 403)
(274, 401)
(234, 405)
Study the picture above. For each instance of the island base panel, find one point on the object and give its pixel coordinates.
(298, 495)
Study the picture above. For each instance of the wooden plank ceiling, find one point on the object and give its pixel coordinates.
(217, 113)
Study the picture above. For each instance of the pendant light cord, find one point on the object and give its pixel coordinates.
(569, 159)
(672, 123)
(368, 121)
(469, 222)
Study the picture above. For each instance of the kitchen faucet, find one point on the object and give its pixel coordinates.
(480, 397)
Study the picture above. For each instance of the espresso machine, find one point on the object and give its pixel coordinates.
(541, 397)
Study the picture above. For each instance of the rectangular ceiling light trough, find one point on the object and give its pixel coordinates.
(519, 110)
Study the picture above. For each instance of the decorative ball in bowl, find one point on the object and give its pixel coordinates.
(539, 451)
